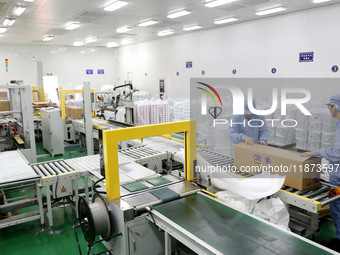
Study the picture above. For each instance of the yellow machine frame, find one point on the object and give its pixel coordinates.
(110, 147)
(62, 94)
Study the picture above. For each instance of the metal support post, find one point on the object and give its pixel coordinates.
(88, 118)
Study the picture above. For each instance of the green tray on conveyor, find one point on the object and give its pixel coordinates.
(136, 186)
(158, 181)
(230, 231)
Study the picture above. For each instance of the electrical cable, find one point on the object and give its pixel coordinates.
(74, 226)
(94, 187)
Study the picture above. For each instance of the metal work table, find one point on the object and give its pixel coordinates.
(208, 227)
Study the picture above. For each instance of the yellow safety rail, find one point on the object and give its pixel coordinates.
(110, 147)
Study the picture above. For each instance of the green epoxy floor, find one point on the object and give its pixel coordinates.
(72, 151)
(21, 239)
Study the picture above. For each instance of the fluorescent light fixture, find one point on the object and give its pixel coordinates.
(8, 22)
(165, 32)
(148, 23)
(29, 1)
(319, 1)
(124, 29)
(189, 28)
(91, 39)
(48, 38)
(224, 20)
(126, 41)
(111, 44)
(270, 11)
(3, 30)
(178, 14)
(72, 25)
(18, 10)
(115, 5)
(215, 3)
(78, 43)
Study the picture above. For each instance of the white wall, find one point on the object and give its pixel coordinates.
(69, 64)
(253, 48)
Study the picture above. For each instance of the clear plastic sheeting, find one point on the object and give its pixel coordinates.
(274, 211)
(255, 187)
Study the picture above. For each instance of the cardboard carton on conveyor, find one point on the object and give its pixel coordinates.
(301, 173)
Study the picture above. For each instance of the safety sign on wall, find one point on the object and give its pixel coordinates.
(188, 64)
(100, 71)
(89, 71)
(161, 86)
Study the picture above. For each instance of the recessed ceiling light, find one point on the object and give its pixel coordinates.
(91, 39)
(165, 32)
(215, 3)
(178, 14)
(319, 1)
(72, 25)
(126, 41)
(148, 23)
(48, 38)
(224, 20)
(111, 44)
(18, 10)
(189, 28)
(78, 43)
(270, 11)
(124, 29)
(3, 30)
(8, 22)
(115, 5)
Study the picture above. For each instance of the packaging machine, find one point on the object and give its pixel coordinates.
(161, 215)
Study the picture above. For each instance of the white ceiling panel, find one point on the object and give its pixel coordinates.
(50, 17)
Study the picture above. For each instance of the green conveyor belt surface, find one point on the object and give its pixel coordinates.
(165, 194)
(230, 231)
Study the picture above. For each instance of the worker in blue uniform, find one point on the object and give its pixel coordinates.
(250, 128)
(332, 154)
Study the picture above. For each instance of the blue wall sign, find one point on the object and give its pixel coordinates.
(203, 72)
(89, 71)
(234, 71)
(188, 64)
(306, 56)
(100, 71)
(177, 73)
(335, 69)
(273, 70)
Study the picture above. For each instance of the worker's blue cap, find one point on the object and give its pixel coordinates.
(246, 107)
(335, 100)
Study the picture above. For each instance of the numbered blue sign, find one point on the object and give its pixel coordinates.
(273, 70)
(335, 69)
(234, 71)
(100, 71)
(188, 64)
(89, 71)
(203, 72)
(306, 57)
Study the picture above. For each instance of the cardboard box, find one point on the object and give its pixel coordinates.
(74, 112)
(5, 105)
(301, 173)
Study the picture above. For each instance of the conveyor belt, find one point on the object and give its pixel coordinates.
(230, 231)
